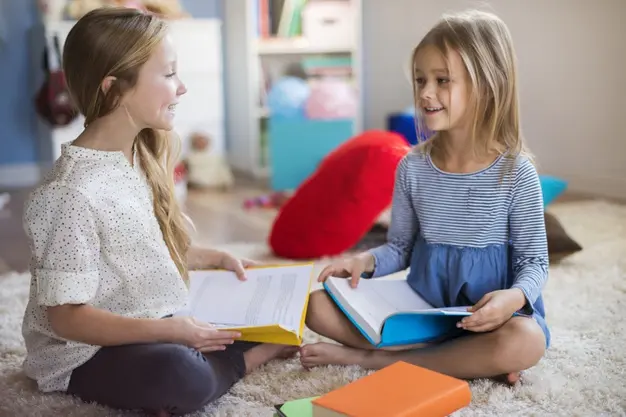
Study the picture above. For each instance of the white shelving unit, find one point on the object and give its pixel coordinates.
(244, 52)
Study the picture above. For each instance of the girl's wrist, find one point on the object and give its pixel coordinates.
(204, 258)
(165, 330)
(369, 262)
(520, 299)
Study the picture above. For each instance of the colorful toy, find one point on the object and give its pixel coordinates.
(287, 98)
(273, 201)
(332, 98)
(207, 169)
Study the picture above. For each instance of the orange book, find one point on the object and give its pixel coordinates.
(399, 390)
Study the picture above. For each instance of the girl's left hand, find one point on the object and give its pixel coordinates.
(230, 263)
(493, 310)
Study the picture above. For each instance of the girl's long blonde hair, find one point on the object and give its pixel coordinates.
(117, 42)
(485, 45)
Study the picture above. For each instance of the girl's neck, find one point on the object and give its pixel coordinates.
(456, 152)
(115, 132)
(456, 145)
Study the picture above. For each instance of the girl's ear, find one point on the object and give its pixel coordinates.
(106, 84)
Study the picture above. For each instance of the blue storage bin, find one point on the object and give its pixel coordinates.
(404, 124)
(296, 147)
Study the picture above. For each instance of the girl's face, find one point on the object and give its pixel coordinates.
(152, 102)
(443, 89)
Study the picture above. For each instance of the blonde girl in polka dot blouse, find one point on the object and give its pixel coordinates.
(110, 248)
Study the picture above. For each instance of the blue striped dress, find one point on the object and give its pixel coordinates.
(465, 235)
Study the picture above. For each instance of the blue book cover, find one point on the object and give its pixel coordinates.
(390, 313)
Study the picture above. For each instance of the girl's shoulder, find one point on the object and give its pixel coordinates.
(70, 185)
(416, 158)
(522, 166)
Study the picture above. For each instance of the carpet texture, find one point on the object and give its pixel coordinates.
(583, 374)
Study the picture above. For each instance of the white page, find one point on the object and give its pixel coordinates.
(377, 299)
(269, 296)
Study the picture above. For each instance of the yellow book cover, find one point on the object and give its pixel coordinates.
(270, 306)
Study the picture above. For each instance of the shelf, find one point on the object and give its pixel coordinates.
(284, 46)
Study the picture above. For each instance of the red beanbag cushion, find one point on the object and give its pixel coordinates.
(336, 206)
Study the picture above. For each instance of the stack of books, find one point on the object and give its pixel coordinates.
(399, 390)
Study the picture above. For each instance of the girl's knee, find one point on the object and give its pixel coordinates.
(320, 306)
(185, 381)
(520, 343)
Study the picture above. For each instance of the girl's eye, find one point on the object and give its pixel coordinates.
(420, 81)
(442, 80)
(171, 75)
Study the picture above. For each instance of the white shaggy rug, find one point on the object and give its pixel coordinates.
(583, 374)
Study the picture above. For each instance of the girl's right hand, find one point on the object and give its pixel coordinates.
(198, 335)
(349, 268)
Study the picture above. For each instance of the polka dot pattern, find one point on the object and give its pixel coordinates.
(94, 240)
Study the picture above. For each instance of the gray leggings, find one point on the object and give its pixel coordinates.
(158, 376)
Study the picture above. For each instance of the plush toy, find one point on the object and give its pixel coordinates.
(206, 169)
(335, 207)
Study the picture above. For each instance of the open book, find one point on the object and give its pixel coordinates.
(391, 313)
(269, 307)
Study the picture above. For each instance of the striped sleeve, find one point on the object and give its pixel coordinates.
(395, 255)
(528, 233)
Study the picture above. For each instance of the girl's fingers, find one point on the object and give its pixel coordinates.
(471, 321)
(483, 328)
(356, 276)
(248, 263)
(223, 340)
(223, 335)
(477, 319)
(212, 348)
(326, 272)
(240, 271)
(480, 303)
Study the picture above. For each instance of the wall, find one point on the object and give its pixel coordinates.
(18, 143)
(203, 8)
(571, 80)
(22, 146)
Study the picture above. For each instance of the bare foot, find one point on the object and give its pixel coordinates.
(262, 354)
(330, 354)
(511, 378)
(288, 352)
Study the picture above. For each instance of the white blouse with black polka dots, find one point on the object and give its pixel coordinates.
(94, 240)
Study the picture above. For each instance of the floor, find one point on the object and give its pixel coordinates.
(219, 217)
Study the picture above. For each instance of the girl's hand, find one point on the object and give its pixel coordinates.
(200, 336)
(493, 310)
(349, 268)
(236, 265)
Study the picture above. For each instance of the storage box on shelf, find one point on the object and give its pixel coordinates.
(329, 23)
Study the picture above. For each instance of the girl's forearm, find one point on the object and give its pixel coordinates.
(198, 258)
(87, 324)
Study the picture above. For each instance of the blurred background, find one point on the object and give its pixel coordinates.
(275, 85)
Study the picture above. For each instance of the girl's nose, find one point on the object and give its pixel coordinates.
(428, 92)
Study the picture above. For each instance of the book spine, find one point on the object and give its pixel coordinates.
(443, 405)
